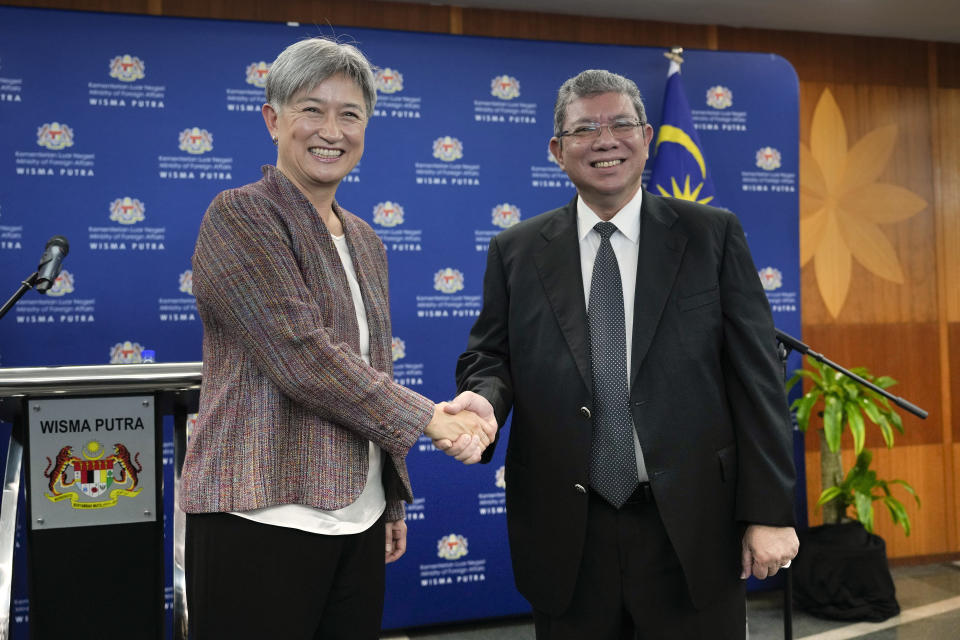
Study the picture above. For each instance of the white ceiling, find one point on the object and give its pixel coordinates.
(914, 19)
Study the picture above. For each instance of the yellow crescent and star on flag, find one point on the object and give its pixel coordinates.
(679, 168)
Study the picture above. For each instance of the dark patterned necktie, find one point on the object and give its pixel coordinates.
(613, 462)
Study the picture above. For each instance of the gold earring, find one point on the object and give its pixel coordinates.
(276, 140)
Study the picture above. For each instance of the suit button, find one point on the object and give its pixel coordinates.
(580, 488)
(585, 412)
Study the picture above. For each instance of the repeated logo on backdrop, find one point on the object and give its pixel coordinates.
(186, 282)
(768, 158)
(257, 74)
(448, 280)
(505, 87)
(62, 285)
(127, 210)
(770, 278)
(719, 97)
(196, 140)
(398, 348)
(780, 300)
(505, 215)
(125, 352)
(54, 136)
(388, 214)
(447, 149)
(389, 217)
(501, 478)
(452, 547)
(506, 109)
(127, 68)
(388, 80)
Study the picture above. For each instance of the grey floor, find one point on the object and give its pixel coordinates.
(929, 597)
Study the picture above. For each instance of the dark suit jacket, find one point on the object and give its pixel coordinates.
(706, 392)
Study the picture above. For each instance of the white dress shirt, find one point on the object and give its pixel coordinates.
(626, 246)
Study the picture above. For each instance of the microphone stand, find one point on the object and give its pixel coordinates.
(25, 286)
(788, 342)
(785, 344)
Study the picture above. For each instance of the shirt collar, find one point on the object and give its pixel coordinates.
(627, 220)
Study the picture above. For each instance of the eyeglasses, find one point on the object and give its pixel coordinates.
(619, 129)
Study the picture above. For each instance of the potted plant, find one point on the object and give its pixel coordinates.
(845, 403)
(841, 571)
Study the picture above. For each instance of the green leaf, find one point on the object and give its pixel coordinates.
(898, 513)
(855, 421)
(850, 388)
(800, 374)
(884, 382)
(870, 409)
(886, 431)
(828, 495)
(895, 419)
(804, 406)
(864, 505)
(909, 489)
(833, 422)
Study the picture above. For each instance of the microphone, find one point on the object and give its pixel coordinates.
(49, 268)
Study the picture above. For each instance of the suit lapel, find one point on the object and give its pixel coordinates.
(661, 251)
(558, 265)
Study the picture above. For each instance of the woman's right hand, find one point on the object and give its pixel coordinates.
(446, 429)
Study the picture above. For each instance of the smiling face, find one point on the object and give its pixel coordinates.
(605, 170)
(319, 135)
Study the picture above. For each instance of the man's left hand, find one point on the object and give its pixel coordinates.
(766, 550)
(396, 540)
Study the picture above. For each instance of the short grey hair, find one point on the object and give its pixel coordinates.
(305, 64)
(590, 83)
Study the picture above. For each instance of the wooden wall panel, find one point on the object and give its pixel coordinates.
(956, 494)
(545, 26)
(906, 352)
(948, 65)
(360, 13)
(896, 329)
(871, 298)
(948, 164)
(954, 382)
(112, 6)
(922, 467)
(837, 59)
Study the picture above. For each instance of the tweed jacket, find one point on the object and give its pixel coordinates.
(287, 405)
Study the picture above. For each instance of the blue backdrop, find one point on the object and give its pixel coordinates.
(117, 131)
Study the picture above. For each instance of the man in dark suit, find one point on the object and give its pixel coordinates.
(649, 468)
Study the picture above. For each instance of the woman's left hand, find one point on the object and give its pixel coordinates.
(396, 540)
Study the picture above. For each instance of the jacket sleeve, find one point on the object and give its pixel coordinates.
(395, 511)
(246, 274)
(484, 367)
(753, 377)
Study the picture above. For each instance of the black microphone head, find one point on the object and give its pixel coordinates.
(49, 267)
(61, 242)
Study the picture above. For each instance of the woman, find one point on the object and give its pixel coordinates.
(295, 473)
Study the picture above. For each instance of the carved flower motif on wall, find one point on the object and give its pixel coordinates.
(842, 205)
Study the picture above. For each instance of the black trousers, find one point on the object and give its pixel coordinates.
(631, 585)
(252, 580)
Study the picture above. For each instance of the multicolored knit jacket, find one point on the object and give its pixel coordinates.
(287, 405)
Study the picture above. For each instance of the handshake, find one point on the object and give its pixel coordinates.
(463, 427)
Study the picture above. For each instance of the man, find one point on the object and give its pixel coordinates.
(649, 469)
